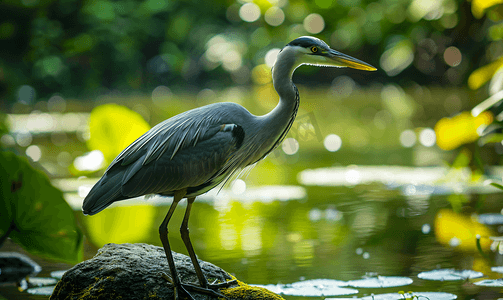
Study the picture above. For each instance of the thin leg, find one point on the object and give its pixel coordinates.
(184, 232)
(163, 234)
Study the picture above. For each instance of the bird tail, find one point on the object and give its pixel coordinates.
(106, 191)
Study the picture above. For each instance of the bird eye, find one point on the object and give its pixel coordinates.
(314, 49)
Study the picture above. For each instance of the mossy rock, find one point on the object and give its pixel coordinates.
(134, 271)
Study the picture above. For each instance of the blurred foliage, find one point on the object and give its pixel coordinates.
(456, 230)
(124, 224)
(92, 47)
(461, 129)
(112, 128)
(33, 212)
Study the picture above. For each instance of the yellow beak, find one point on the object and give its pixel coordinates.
(343, 60)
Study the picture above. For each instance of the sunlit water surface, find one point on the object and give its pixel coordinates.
(383, 221)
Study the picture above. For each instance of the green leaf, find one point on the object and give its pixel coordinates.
(491, 138)
(457, 201)
(497, 185)
(44, 223)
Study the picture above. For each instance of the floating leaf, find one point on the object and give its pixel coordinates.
(58, 274)
(275, 288)
(449, 275)
(414, 295)
(42, 281)
(321, 283)
(380, 282)
(112, 128)
(41, 291)
(316, 291)
(490, 282)
(14, 267)
(491, 219)
(34, 211)
(311, 288)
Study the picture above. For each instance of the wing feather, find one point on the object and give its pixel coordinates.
(194, 150)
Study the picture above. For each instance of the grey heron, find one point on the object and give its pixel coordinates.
(191, 153)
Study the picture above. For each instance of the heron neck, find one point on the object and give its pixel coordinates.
(282, 73)
(280, 119)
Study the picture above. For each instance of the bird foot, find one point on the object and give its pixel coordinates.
(181, 289)
(221, 285)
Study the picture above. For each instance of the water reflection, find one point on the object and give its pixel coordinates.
(411, 181)
(281, 234)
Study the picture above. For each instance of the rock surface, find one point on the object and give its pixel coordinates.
(133, 271)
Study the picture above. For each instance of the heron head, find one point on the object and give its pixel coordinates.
(313, 51)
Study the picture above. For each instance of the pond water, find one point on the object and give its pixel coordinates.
(282, 236)
(356, 192)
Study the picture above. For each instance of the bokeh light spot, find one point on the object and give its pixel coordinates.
(7, 30)
(408, 138)
(397, 58)
(26, 94)
(24, 138)
(34, 152)
(91, 161)
(249, 12)
(7, 140)
(56, 104)
(238, 187)
(452, 56)
(261, 74)
(232, 61)
(426, 228)
(64, 159)
(314, 23)
(332, 142)
(274, 16)
(271, 56)
(160, 95)
(352, 175)
(427, 137)
(290, 146)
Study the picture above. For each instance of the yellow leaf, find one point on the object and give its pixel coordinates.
(455, 230)
(112, 128)
(479, 6)
(482, 75)
(461, 129)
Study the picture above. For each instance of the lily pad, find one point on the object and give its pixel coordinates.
(58, 274)
(414, 295)
(490, 282)
(41, 291)
(14, 267)
(311, 288)
(42, 281)
(34, 213)
(275, 288)
(449, 275)
(320, 283)
(491, 219)
(380, 282)
(315, 291)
